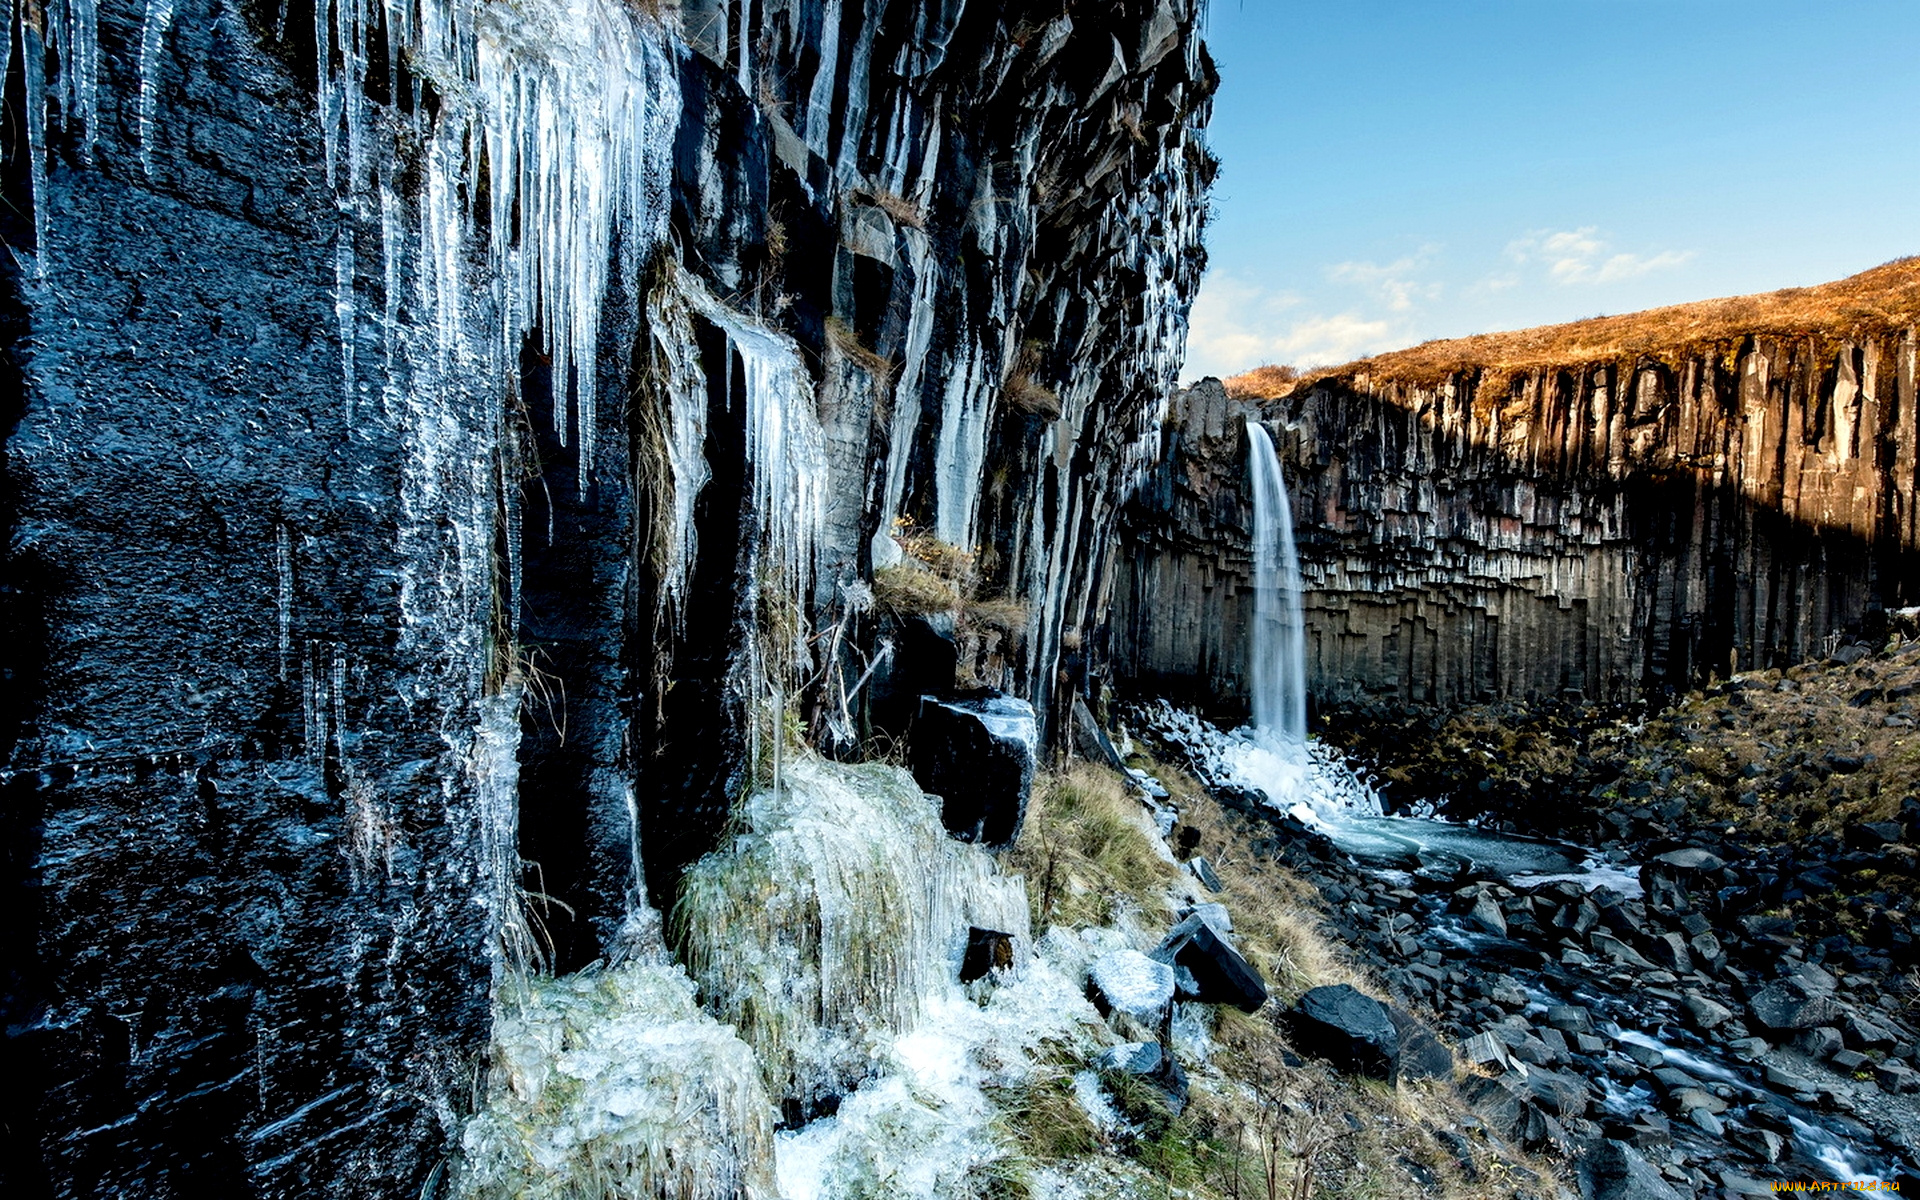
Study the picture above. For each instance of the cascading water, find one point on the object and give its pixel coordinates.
(1279, 630)
(1305, 778)
(1273, 754)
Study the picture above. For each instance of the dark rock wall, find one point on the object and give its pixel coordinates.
(338, 677)
(1611, 531)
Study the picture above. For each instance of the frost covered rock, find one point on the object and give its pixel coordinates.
(613, 1083)
(1134, 1058)
(1130, 982)
(978, 755)
(838, 914)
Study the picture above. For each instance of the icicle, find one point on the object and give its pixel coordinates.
(510, 506)
(6, 42)
(153, 36)
(337, 685)
(343, 310)
(785, 443)
(283, 559)
(35, 54)
(328, 91)
(80, 64)
(313, 709)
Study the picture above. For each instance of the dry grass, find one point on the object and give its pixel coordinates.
(847, 344)
(1256, 1128)
(1086, 853)
(913, 591)
(1274, 912)
(902, 210)
(1262, 382)
(1883, 300)
(1023, 393)
(1726, 755)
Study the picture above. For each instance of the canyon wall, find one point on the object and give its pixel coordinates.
(1606, 530)
(446, 441)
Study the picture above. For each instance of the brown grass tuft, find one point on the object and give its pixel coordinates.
(847, 344)
(902, 210)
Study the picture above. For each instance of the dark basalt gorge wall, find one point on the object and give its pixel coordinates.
(329, 658)
(1610, 531)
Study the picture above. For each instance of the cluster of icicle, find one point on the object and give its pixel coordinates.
(561, 114)
(785, 445)
(611, 1084)
(834, 918)
(558, 115)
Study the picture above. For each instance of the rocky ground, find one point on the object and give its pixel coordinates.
(1742, 1012)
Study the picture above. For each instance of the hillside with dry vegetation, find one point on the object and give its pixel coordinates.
(1883, 300)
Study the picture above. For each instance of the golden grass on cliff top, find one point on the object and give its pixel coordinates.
(1879, 301)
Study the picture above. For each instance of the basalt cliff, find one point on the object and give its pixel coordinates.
(1606, 511)
(451, 448)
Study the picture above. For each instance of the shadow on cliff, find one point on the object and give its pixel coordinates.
(1719, 578)
(27, 584)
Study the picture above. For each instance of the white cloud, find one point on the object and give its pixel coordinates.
(1573, 256)
(1394, 283)
(1237, 326)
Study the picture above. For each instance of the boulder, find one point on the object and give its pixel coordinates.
(1669, 950)
(1422, 1055)
(1562, 1094)
(1690, 859)
(1130, 982)
(1570, 1018)
(1348, 1028)
(1896, 1078)
(1218, 974)
(1499, 1102)
(1788, 1005)
(1705, 1012)
(1091, 740)
(1820, 1042)
(978, 755)
(1485, 1050)
(1619, 951)
(1131, 1058)
(1616, 1171)
(1204, 872)
(988, 950)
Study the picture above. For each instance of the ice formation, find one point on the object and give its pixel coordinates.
(926, 1128)
(836, 918)
(785, 446)
(611, 1084)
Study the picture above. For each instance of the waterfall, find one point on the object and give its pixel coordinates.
(1279, 651)
(1273, 754)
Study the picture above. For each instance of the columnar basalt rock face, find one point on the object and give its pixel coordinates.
(399, 503)
(1608, 530)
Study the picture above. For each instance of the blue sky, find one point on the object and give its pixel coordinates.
(1399, 170)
